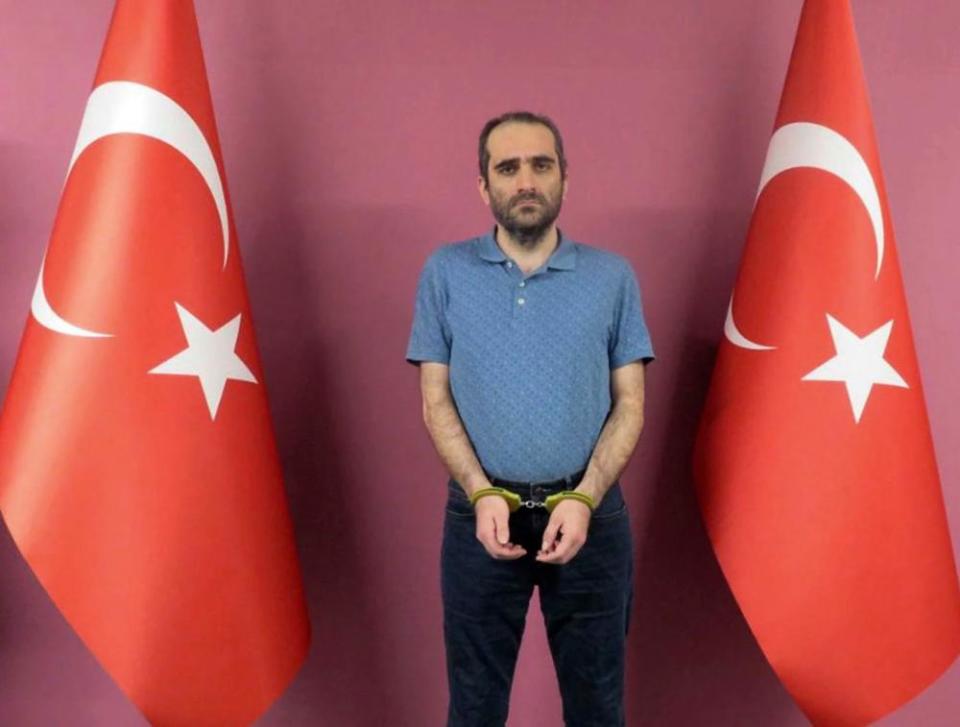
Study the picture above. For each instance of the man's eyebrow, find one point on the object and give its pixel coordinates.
(539, 158)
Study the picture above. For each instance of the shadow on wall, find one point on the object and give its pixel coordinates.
(334, 449)
(14, 296)
(309, 412)
(338, 682)
(691, 657)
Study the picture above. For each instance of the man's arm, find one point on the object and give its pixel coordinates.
(456, 452)
(620, 433)
(618, 438)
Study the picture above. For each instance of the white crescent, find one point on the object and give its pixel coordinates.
(124, 107)
(734, 335)
(815, 146)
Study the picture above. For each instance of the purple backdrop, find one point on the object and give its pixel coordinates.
(349, 132)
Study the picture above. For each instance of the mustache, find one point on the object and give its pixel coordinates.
(528, 197)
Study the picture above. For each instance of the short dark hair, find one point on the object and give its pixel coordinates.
(521, 117)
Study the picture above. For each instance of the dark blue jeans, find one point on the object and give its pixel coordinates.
(585, 605)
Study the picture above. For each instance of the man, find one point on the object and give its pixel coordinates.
(531, 350)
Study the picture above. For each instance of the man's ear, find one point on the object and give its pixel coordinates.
(482, 188)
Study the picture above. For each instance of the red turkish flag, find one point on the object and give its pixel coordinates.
(138, 471)
(814, 465)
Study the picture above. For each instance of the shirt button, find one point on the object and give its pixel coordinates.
(509, 264)
(522, 284)
(521, 301)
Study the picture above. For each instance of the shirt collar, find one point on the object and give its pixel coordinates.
(563, 258)
(489, 250)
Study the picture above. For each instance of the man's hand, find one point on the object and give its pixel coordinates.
(566, 532)
(493, 528)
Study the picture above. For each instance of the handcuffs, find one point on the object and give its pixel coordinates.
(515, 502)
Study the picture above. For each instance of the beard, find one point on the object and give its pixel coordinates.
(526, 225)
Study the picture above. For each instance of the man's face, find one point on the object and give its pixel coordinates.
(525, 189)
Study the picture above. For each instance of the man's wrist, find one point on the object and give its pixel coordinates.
(591, 487)
(474, 483)
(579, 496)
(512, 499)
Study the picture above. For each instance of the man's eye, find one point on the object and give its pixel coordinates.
(507, 170)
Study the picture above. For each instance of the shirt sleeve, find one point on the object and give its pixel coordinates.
(630, 340)
(430, 334)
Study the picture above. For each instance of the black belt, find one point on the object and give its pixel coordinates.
(573, 479)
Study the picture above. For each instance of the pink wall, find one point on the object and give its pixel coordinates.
(348, 131)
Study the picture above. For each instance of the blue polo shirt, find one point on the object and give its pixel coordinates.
(529, 356)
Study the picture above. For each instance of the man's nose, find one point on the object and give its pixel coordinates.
(525, 178)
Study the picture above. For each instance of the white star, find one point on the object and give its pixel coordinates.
(859, 363)
(209, 356)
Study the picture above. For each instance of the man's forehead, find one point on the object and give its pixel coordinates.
(520, 140)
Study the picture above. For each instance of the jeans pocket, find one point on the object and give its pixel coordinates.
(458, 504)
(609, 515)
(612, 505)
